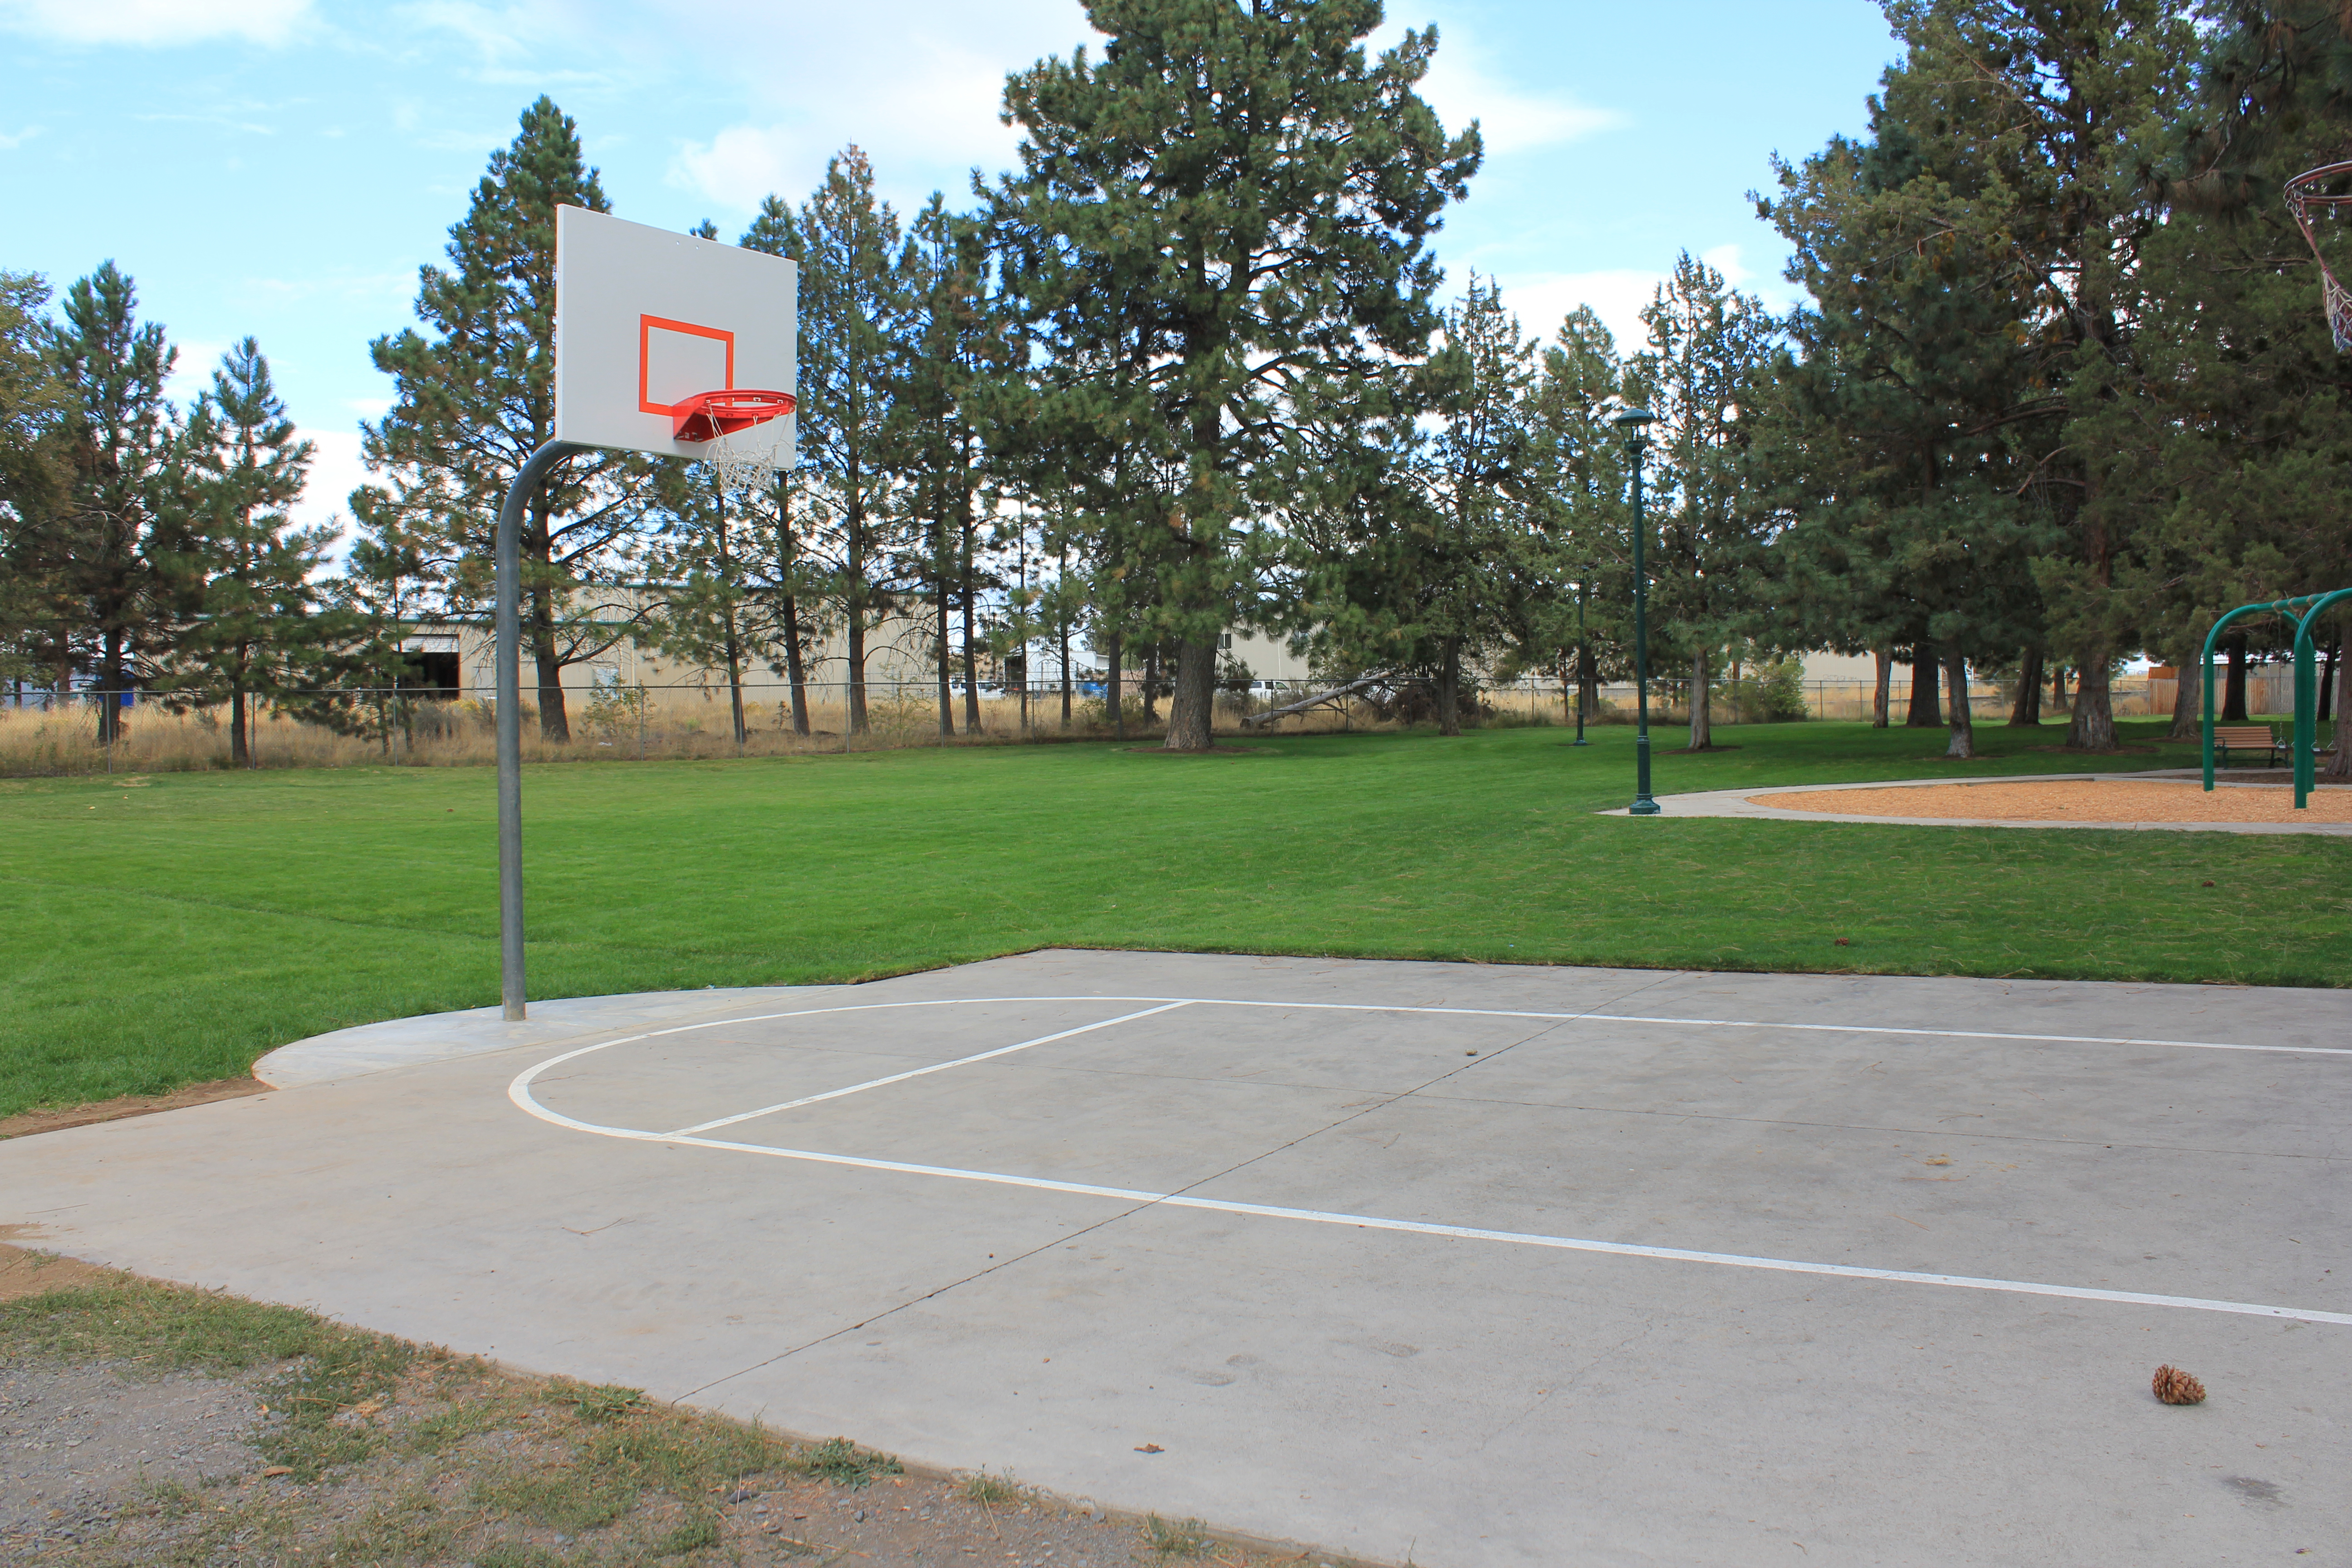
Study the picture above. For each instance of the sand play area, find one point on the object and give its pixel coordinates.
(2074, 800)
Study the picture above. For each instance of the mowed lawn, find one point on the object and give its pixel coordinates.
(169, 928)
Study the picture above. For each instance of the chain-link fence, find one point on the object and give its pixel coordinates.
(42, 732)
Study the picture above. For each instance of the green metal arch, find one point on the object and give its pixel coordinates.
(2302, 614)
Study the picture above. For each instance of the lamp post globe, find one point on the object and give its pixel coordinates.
(1636, 423)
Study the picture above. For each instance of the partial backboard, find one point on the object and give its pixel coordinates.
(645, 317)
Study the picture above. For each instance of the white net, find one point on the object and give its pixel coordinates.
(742, 460)
(2316, 207)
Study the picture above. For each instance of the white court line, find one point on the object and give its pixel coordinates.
(919, 1072)
(519, 1092)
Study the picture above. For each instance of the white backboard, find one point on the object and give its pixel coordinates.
(645, 317)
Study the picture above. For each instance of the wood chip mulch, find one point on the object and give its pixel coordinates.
(2120, 801)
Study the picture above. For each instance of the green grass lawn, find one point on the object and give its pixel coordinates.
(170, 930)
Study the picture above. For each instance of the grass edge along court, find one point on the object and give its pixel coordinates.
(171, 928)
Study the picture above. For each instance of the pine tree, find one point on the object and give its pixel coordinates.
(1575, 614)
(1472, 555)
(1243, 194)
(477, 397)
(955, 340)
(252, 599)
(854, 326)
(1709, 352)
(2256, 449)
(2038, 132)
(33, 481)
(112, 563)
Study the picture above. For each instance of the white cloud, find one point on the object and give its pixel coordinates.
(154, 23)
(336, 471)
(939, 95)
(744, 163)
(10, 143)
(1510, 120)
(1616, 294)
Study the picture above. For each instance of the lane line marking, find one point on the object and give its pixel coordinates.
(919, 1072)
(1481, 1013)
(518, 1093)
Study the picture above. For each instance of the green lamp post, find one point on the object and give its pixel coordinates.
(1636, 423)
(1582, 589)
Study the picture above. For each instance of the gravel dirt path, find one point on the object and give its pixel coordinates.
(2076, 800)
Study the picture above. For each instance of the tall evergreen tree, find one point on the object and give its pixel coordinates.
(1248, 192)
(1709, 349)
(854, 323)
(1579, 563)
(476, 397)
(33, 480)
(2255, 447)
(114, 558)
(1471, 551)
(251, 594)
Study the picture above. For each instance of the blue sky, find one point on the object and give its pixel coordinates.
(282, 167)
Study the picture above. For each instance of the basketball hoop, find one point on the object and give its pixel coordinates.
(742, 429)
(706, 415)
(2308, 200)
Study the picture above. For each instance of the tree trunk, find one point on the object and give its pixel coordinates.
(112, 683)
(946, 661)
(787, 552)
(1963, 717)
(2233, 694)
(1927, 712)
(1066, 675)
(239, 755)
(2340, 765)
(1588, 684)
(1189, 709)
(1568, 688)
(2327, 681)
(2187, 700)
(735, 682)
(856, 670)
(1151, 685)
(2058, 699)
(970, 637)
(796, 672)
(1885, 659)
(1449, 689)
(554, 723)
(2094, 725)
(1702, 703)
(1111, 694)
(2025, 713)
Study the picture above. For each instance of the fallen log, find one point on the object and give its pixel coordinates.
(1377, 677)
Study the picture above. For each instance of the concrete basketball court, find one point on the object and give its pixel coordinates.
(1472, 1264)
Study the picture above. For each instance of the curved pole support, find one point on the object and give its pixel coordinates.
(509, 628)
(2306, 694)
(2205, 664)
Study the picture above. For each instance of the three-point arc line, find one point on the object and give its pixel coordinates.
(520, 1092)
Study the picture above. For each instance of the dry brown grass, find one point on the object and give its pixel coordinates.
(665, 725)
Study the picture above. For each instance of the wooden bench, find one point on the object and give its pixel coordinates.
(2228, 738)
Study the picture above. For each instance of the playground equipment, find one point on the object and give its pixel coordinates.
(2302, 614)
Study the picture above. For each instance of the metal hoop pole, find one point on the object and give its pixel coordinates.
(508, 627)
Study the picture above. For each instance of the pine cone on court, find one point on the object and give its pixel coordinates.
(2175, 1386)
